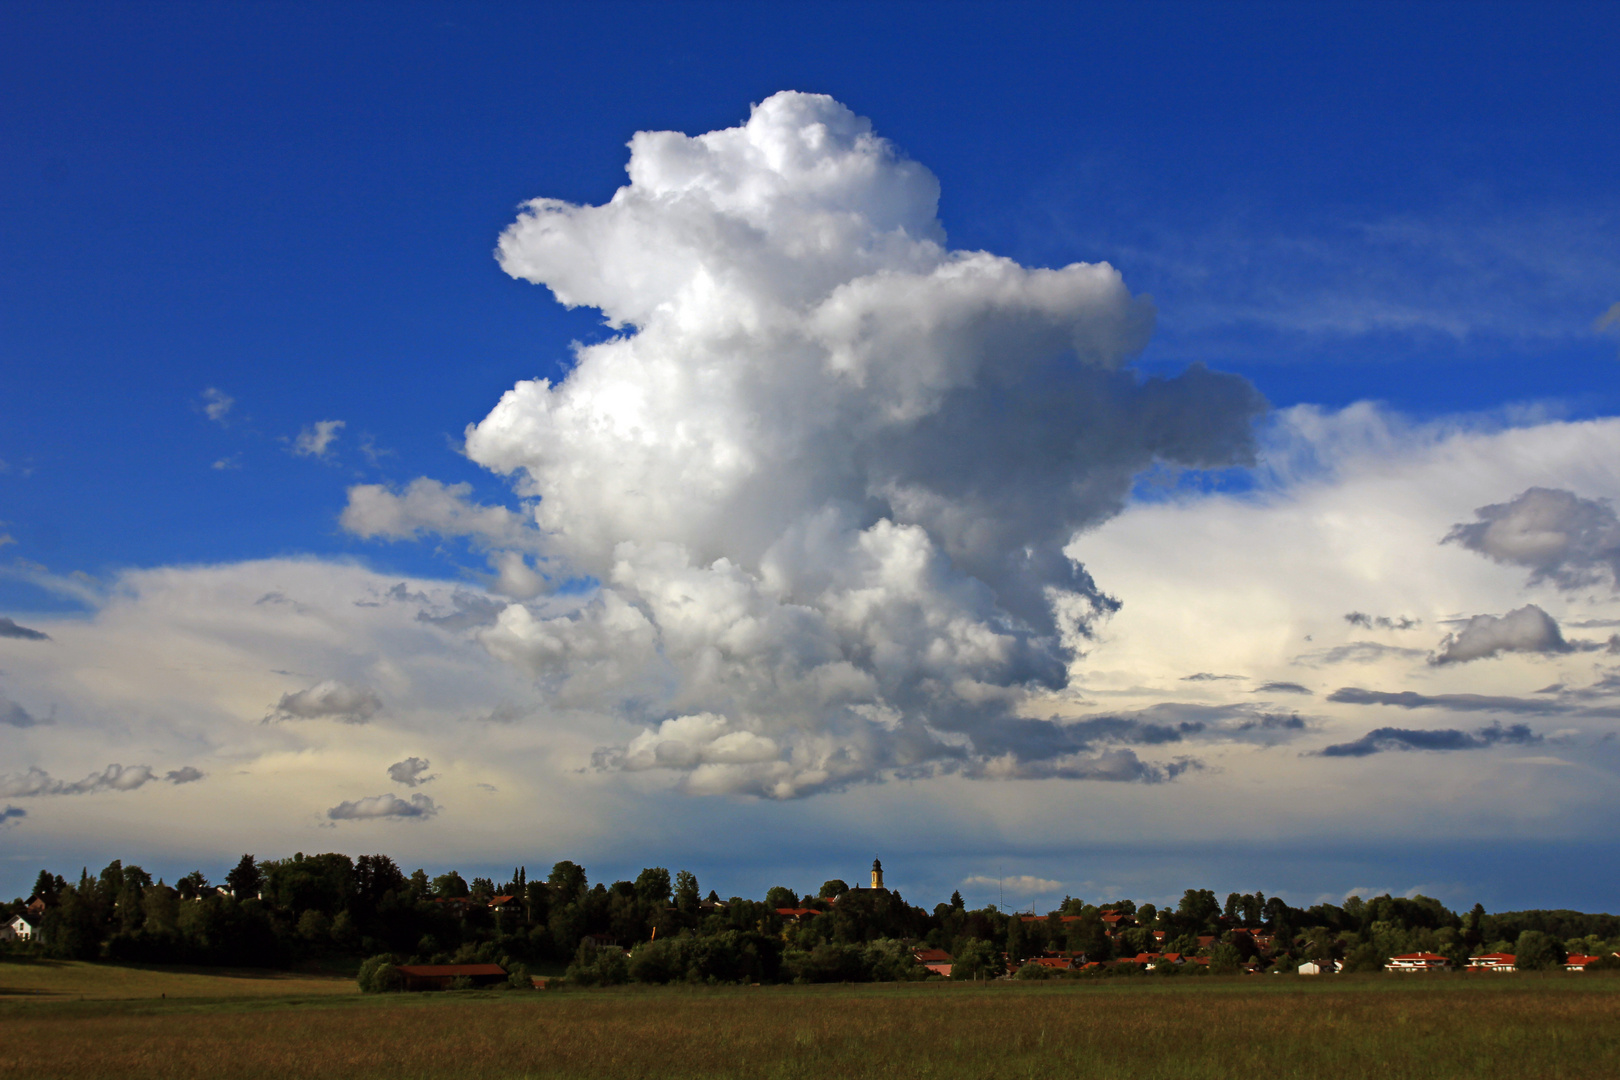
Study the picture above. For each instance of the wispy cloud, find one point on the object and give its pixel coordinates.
(316, 440)
(36, 781)
(216, 405)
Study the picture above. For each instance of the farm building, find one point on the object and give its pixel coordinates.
(18, 929)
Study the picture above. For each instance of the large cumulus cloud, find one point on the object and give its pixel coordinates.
(825, 474)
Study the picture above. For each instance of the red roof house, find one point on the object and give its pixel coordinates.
(1418, 961)
(1496, 961)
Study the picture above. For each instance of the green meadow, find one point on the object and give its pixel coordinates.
(94, 1020)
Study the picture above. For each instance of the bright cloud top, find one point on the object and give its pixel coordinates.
(826, 474)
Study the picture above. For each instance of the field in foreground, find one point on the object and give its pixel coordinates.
(1383, 1027)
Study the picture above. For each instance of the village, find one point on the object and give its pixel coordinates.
(420, 933)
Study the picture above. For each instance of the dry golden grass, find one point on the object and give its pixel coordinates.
(61, 980)
(1184, 1029)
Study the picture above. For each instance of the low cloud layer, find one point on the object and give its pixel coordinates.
(329, 700)
(10, 815)
(409, 772)
(1526, 630)
(1386, 739)
(1571, 542)
(36, 781)
(10, 629)
(383, 806)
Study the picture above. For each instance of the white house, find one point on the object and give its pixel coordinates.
(18, 929)
(1311, 967)
(1494, 961)
(1418, 961)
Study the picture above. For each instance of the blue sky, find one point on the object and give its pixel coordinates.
(295, 206)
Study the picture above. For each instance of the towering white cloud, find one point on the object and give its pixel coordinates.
(826, 474)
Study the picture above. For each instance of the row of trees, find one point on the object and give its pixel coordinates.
(660, 927)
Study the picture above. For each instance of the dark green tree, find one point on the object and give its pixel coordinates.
(245, 881)
(835, 887)
(652, 887)
(687, 895)
(567, 881)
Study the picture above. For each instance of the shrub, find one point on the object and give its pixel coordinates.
(518, 978)
(1034, 971)
(378, 975)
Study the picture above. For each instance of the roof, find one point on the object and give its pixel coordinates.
(1580, 959)
(451, 971)
(1493, 957)
(796, 912)
(496, 901)
(932, 956)
(1427, 957)
(1050, 961)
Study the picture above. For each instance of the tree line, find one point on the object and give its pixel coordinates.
(333, 910)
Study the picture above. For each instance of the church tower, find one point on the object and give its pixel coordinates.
(877, 873)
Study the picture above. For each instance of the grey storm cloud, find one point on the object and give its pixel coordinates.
(14, 715)
(36, 781)
(12, 814)
(1091, 748)
(1572, 542)
(822, 491)
(409, 772)
(10, 629)
(184, 775)
(383, 806)
(329, 700)
(1385, 739)
(1382, 622)
(1206, 676)
(468, 610)
(1528, 629)
(1283, 688)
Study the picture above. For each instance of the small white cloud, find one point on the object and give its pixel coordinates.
(234, 461)
(316, 440)
(217, 404)
(1527, 630)
(409, 772)
(329, 700)
(383, 806)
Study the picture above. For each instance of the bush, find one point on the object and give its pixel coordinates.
(1034, 971)
(595, 966)
(378, 975)
(1364, 958)
(518, 978)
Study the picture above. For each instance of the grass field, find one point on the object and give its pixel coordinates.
(1377, 1027)
(71, 980)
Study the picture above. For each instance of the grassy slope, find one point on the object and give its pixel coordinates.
(1384, 1027)
(46, 980)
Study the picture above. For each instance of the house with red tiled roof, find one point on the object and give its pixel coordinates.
(1496, 961)
(1418, 961)
(1056, 963)
(1580, 961)
(797, 914)
(936, 960)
